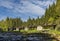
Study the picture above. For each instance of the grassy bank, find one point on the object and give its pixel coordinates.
(30, 31)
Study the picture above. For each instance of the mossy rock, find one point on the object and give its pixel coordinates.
(58, 27)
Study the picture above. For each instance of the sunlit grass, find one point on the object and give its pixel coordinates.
(40, 31)
(30, 31)
(54, 31)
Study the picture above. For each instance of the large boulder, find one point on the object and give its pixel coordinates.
(39, 27)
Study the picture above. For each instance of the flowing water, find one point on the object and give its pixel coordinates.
(22, 37)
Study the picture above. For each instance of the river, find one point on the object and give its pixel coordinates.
(8, 36)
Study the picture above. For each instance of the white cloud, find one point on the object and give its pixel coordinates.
(27, 7)
(6, 4)
(43, 3)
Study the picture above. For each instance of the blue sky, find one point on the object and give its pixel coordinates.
(23, 8)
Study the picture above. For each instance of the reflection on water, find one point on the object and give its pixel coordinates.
(20, 37)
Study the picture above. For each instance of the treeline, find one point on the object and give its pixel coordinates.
(17, 22)
(52, 14)
(10, 22)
